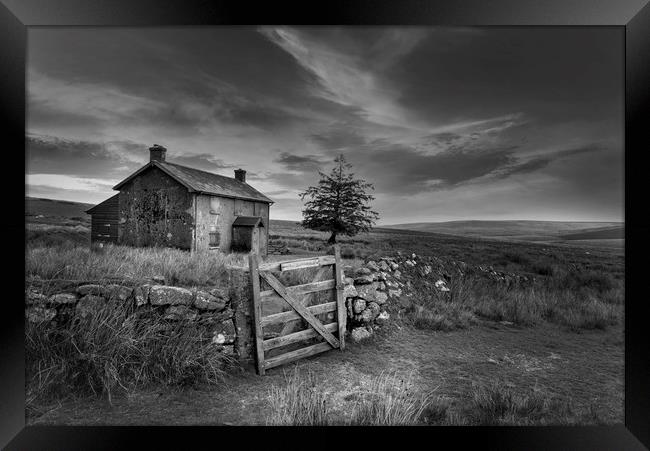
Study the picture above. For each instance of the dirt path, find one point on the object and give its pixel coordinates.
(586, 367)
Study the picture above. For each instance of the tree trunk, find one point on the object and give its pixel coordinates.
(332, 239)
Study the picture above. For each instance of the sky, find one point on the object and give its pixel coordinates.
(446, 123)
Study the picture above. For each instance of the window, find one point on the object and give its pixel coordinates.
(214, 237)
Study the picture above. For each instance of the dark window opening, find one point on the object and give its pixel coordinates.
(214, 239)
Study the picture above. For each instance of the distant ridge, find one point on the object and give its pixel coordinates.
(35, 206)
(515, 229)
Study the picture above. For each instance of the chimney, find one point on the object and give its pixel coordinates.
(240, 175)
(157, 153)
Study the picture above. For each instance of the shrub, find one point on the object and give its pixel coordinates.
(110, 350)
(299, 402)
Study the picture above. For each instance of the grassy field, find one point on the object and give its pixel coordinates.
(545, 349)
(534, 231)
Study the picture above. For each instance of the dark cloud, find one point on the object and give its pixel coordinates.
(300, 163)
(400, 169)
(537, 163)
(52, 155)
(337, 136)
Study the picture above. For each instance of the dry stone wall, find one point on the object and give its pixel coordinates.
(369, 292)
(223, 312)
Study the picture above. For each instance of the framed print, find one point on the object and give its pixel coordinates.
(325, 219)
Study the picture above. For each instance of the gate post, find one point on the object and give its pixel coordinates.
(254, 263)
(240, 296)
(340, 300)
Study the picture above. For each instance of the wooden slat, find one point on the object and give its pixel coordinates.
(296, 337)
(299, 264)
(253, 262)
(275, 266)
(290, 326)
(340, 300)
(298, 290)
(295, 355)
(299, 308)
(289, 316)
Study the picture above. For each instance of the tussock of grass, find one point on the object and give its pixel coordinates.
(497, 405)
(299, 402)
(177, 266)
(110, 351)
(444, 317)
(390, 400)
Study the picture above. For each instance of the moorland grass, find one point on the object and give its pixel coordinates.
(112, 350)
(178, 267)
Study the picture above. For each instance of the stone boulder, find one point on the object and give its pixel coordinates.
(394, 266)
(384, 266)
(374, 309)
(117, 292)
(363, 272)
(141, 294)
(383, 317)
(350, 291)
(360, 333)
(206, 301)
(39, 314)
(224, 333)
(93, 289)
(349, 281)
(362, 280)
(89, 305)
(381, 298)
(365, 316)
(35, 297)
(367, 292)
(166, 295)
(372, 266)
(441, 285)
(358, 305)
(62, 298)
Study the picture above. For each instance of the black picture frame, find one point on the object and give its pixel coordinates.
(632, 15)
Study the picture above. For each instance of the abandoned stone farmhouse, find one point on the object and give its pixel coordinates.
(166, 204)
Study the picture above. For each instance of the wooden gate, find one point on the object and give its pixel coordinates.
(330, 335)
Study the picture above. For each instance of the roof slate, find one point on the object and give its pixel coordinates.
(204, 182)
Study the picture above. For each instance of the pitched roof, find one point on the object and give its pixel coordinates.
(248, 221)
(110, 201)
(203, 182)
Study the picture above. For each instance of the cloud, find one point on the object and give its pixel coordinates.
(541, 161)
(54, 155)
(300, 163)
(205, 162)
(71, 183)
(341, 78)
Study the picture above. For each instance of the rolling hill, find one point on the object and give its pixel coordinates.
(519, 230)
(35, 206)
